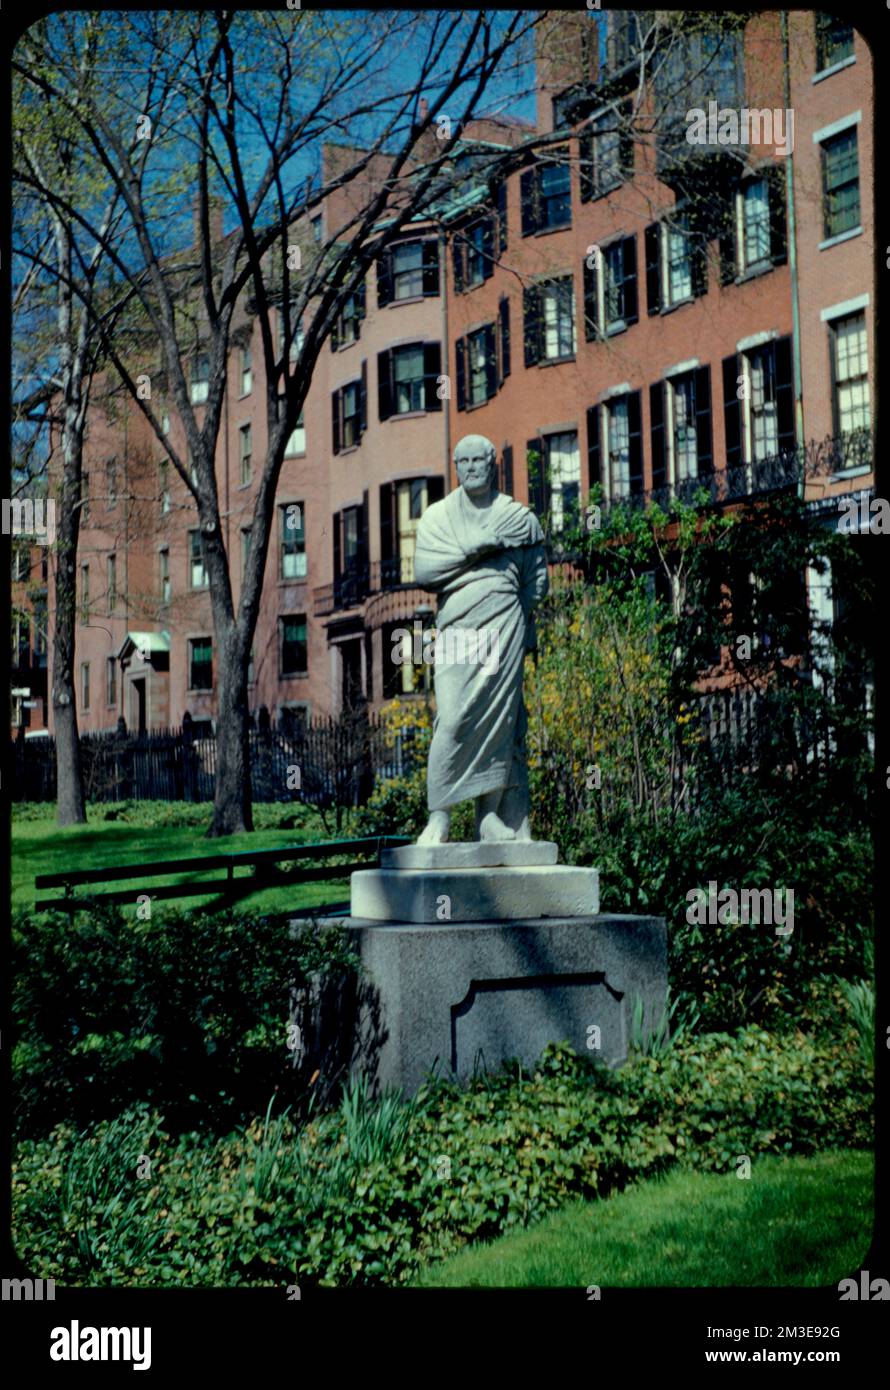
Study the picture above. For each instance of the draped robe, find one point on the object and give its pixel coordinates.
(478, 743)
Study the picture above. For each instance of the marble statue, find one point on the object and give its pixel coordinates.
(483, 555)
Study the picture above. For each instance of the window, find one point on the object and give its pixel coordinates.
(677, 281)
(293, 541)
(680, 420)
(111, 681)
(164, 574)
(164, 485)
(840, 182)
(605, 153)
(84, 685)
(545, 196)
(201, 663)
(315, 224)
(111, 574)
(549, 321)
(850, 361)
(473, 252)
(408, 270)
(402, 505)
(246, 371)
(348, 323)
(296, 328)
(349, 412)
(296, 443)
(759, 423)
(200, 378)
(477, 367)
(111, 484)
(293, 646)
(84, 593)
(198, 578)
(408, 379)
(834, 41)
(564, 477)
(610, 289)
(676, 263)
(754, 231)
(751, 225)
(245, 446)
(21, 562)
(615, 446)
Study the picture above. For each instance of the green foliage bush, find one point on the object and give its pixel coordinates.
(369, 1192)
(186, 1011)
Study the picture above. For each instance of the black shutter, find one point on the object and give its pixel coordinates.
(335, 420)
(657, 434)
(626, 142)
(653, 268)
(727, 237)
(732, 411)
(504, 322)
(528, 201)
(384, 384)
(363, 399)
(487, 248)
(531, 324)
(536, 481)
(335, 332)
(629, 265)
(363, 547)
(457, 250)
(460, 352)
(591, 309)
(359, 308)
(491, 362)
(594, 467)
(635, 442)
(785, 395)
(431, 268)
(704, 448)
(432, 370)
(698, 261)
(501, 206)
(778, 238)
(435, 489)
(384, 279)
(507, 469)
(387, 529)
(338, 521)
(585, 165)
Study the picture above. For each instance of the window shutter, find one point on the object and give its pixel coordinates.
(653, 268)
(501, 206)
(528, 201)
(657, 434)
(594, 466)
(785, 395)
(626, 142)
(536, 483)
(338, 521)
(431, 268)
(435, 489)
(727, 237)
(778, 239)
(460, 348)
(635, 442)
(504, 322)
(531, 324)
(384, 279)
(698, 261)
(360, 308)
(629, 265)
(387, 520)
(384, 385)
(335, 420)
(507, 469)
(732, 411)
(585, 165)
(457, 251)
(363, 549)
(363, 398)
(703, 441)
(591, 307)
(491, 362)
(335, 332)
(432, 369)
(487, 248)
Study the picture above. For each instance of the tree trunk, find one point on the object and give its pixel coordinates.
(232, 805)
(69, 774)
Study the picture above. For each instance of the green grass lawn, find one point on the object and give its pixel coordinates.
(803, 1222)
(42, 847)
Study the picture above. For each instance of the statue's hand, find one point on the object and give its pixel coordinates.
(489, 542)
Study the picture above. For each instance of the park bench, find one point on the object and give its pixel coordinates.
(263, 865)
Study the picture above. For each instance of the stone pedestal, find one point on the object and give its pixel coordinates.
(484, 894)
(457, 997)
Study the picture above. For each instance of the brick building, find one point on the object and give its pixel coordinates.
(629, 310)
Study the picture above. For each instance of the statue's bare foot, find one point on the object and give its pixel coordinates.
(436, 830)
(523, 831)
(491, 827)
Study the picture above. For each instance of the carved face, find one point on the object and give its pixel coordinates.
(475, 463)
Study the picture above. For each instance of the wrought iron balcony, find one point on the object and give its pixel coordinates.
(352, 589)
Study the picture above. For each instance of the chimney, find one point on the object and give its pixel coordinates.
(214, 217)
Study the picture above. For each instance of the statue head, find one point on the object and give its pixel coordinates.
(475, 459)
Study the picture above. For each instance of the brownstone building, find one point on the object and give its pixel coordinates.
(629, 310)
